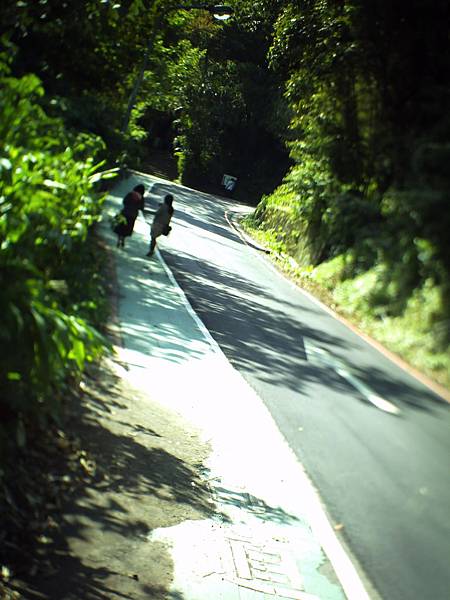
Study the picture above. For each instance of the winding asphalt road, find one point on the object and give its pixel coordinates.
(374, 440)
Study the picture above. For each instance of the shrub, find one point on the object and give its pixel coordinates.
(47, 207)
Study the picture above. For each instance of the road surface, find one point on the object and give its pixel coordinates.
(374, 440)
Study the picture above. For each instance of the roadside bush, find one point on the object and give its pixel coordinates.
(47, 207)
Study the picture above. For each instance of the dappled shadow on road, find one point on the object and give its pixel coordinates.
(206, 216)
(176, 596)
(210, 207)
(152, 316)
(253, 506)
(260, 337)
(223, 231)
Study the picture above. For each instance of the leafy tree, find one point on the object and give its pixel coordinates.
(366, 83)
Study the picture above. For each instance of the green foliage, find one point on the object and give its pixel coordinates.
(212, 81)
(418, 333)
(47, 207)
(89, 58)
(332, 272)
(277, 216)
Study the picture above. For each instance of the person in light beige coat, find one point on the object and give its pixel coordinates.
(161, 222)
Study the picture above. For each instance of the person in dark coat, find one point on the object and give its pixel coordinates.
(132, 204)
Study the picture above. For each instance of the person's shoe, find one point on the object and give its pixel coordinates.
(149, 253)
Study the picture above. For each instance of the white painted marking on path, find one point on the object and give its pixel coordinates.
(326, 358)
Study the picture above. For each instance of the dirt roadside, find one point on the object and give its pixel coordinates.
(121, 466)
(133, 466)
(140, 468)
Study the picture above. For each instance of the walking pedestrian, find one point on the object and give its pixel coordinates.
(161, 222)
(132, 204)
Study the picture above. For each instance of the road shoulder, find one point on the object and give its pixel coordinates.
(140, 471)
